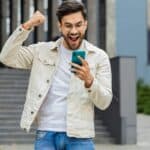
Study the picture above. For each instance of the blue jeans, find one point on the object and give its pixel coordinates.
(49, 140)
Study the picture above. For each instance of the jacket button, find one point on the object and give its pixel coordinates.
(89, 91)
(40, 95)
(20, 29)
(32, 112)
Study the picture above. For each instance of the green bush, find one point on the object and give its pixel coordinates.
(143, 97)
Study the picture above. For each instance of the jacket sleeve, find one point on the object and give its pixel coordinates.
(101, 90)
(14, 54)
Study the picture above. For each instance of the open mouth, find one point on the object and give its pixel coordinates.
(74, 39)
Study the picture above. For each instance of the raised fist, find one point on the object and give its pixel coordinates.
(37, 19)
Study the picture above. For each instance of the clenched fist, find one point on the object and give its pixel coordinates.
(37, 19)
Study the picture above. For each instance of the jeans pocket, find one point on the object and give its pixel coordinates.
(40, 134)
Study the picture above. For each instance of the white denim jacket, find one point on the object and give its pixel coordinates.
(42, 59)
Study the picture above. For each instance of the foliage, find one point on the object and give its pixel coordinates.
(143, 97)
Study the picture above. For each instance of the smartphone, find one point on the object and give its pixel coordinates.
(75, 55)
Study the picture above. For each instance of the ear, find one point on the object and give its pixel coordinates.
(86, 25)
(59, 26)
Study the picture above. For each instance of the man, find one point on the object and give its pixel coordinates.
(61, 95)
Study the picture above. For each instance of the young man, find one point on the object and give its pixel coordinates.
(60, 97)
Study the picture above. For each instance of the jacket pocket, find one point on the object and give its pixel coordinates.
(45, 60)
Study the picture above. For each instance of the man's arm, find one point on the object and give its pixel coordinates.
(99, 88)
(13, 53)
(100, 91)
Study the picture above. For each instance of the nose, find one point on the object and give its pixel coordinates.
(73, 30)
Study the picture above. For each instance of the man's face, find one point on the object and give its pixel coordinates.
(73, 27)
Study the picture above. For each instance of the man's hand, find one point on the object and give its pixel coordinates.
(83, 72)
(37, 19)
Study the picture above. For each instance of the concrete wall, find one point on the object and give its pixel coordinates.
(92, 33)
(111, 27)
(120, 117)
(131, 33)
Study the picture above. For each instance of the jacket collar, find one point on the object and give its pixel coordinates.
(85, 45)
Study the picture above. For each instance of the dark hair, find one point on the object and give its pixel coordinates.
(68, 7)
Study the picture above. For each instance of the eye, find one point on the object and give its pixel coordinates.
(68, 26)
(79, 25)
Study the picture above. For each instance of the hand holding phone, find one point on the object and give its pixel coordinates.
(81, 68)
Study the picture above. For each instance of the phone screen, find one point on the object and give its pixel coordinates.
(75, 55)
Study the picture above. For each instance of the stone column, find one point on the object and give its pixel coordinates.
(41, 35)
(14, 7)
(111, 27)
(4, 27)
(26, 6)
(92, 33)
(26, 9)
(55, 31)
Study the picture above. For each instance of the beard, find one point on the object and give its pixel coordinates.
(73, 41)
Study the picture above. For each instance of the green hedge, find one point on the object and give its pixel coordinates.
(143, 97)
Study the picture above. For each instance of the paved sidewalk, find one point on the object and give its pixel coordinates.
(143, 139)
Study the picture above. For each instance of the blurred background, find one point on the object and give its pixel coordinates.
(119, 27)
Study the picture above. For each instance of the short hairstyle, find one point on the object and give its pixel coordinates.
(69, 7)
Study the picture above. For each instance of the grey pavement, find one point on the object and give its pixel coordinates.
(143, 139)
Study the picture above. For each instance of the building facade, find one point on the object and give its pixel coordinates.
(132, 34)
(121, 28)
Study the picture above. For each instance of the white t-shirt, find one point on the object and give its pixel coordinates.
(52, 114)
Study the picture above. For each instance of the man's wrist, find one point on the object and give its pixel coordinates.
(88, 82)
(27, 25)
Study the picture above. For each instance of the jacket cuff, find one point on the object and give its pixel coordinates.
(21, 29)
(92, 87)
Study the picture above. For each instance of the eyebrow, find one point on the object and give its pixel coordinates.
(68, 23)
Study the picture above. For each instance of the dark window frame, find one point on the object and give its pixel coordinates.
(102, 24)
(148, 47)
